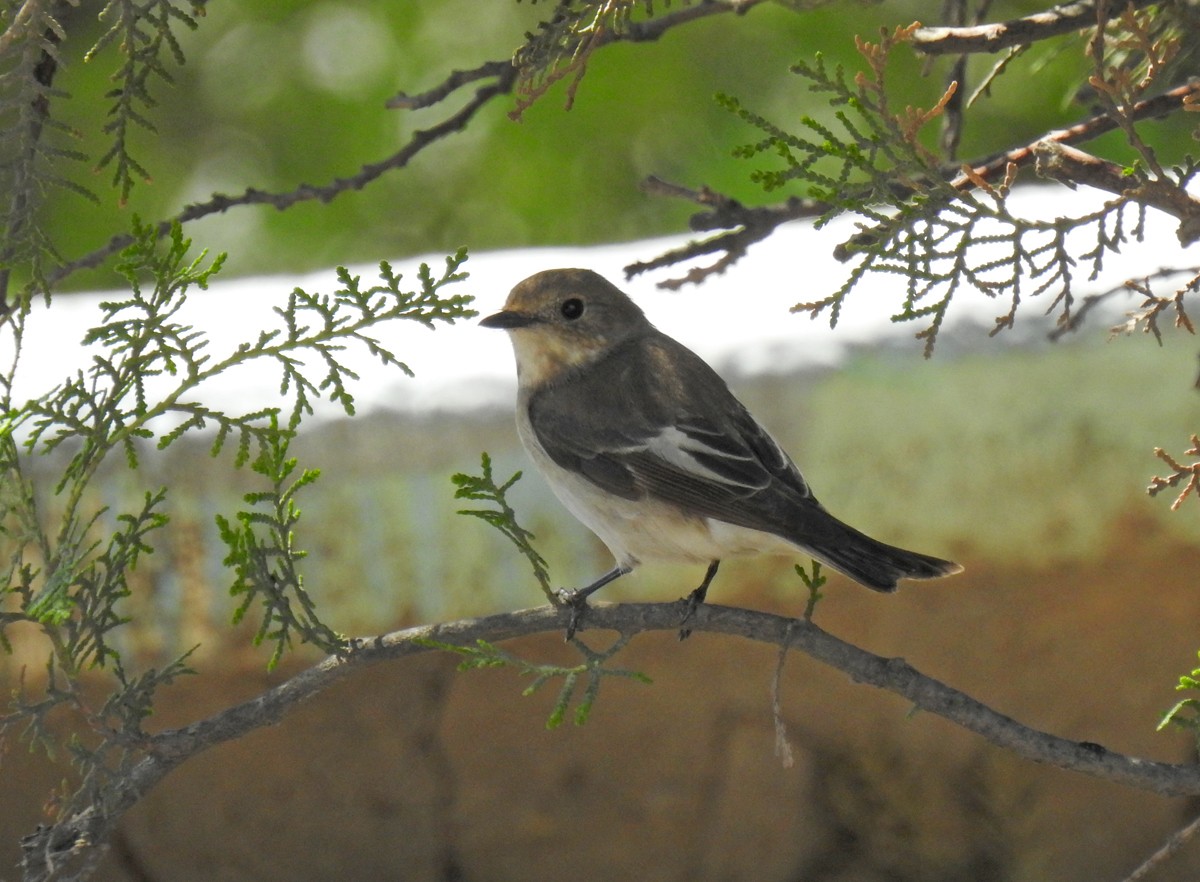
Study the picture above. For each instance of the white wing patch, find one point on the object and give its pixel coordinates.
(679, 449)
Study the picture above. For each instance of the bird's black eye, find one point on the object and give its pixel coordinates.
(571, 309)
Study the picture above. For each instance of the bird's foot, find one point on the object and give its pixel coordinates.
(690, 604)
(576, 601)
(692, 601)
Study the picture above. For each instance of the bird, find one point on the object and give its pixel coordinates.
(645, 444)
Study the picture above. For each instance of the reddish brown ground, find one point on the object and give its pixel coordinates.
(412, 771)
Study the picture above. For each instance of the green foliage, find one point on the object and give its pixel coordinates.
(142, 32)
(939, 232)
(561, 46)
(590, 673)
(1186, 713)
(34, 142)
(107, 407)
(502, 517)
(67, 558)
(27, 158)
(814, 583)
(264, 556)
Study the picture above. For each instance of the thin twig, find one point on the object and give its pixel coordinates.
(1005, 166)
(1172, 845)
(653, 28)
(1072, 166)
(995, 166)
(747, 225)
(1015, 32)
(954, 12)
(450, 85)
(220, 203)
(744, 225)
(1072, 320)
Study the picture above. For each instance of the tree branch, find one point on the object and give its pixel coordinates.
(743, 225)
(1177, 841)
(1071, 166)
(996, 166)
(1072, 321)
(450, 85)
(653, 28)
(220, 203)
(1005, 165)
(503, 72)
(71, 842)
(1016, 32)
(747, 225)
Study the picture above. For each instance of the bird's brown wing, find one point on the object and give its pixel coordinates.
(651, 419)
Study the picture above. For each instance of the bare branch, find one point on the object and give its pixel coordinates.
(567, 55)
(220, 203)
(55, 849)
(1178, 840)
(1016, 32)
(995, 166)
(955, 13)
(450, 85)
(748, 225)
(1072, 166)
(1005, 166)
(744, 225)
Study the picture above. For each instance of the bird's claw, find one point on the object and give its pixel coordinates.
(577, 602)
(690, 604)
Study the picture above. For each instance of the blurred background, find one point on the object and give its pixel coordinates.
(275, 93)
(1023, 459)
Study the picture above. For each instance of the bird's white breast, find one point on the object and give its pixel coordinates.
(644, 529)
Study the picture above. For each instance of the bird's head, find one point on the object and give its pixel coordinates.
(564, 318)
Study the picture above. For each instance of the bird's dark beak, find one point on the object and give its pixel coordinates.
(507, 320)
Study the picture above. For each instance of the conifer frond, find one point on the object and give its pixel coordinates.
(28, 61)
(143, 34)
(563, 45)
(941, 233)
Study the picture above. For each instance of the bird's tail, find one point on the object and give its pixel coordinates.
(876, 564)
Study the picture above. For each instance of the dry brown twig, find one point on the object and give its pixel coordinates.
(1071, 166)
(1187, 474)
(1181, 97)
(996, 36)
(1145, 318)
(1072, 319)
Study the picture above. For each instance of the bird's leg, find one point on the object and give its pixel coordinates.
(696, 598)
(576, 598)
